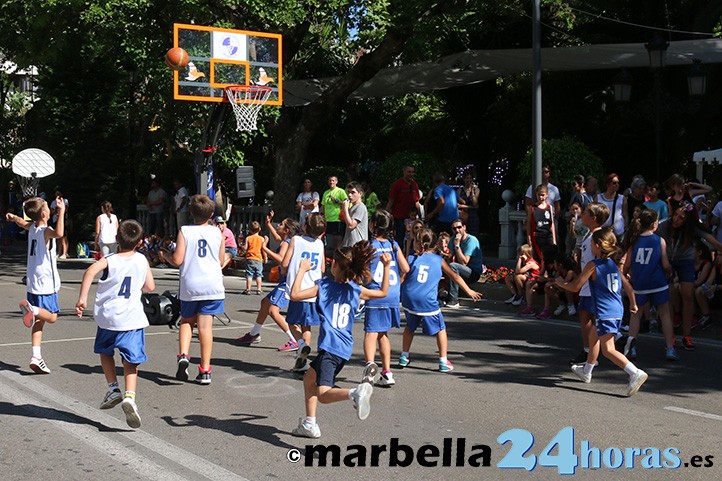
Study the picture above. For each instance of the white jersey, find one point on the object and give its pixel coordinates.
(118, 306)
(305, 248)
(43, 277)
(201, 278)
(108, 228)
(586, 258)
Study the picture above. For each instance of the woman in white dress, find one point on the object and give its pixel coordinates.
(106, 229)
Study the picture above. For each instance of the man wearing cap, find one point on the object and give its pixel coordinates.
(229, 240)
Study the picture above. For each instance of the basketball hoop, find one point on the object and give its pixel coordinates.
(246, 101)
(29, 166)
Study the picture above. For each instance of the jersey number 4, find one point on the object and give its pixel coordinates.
(379, 273)
(643, 255)
(125, 288)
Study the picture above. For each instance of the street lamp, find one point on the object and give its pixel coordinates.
(622, 86)
(657, 50)
(697, 79)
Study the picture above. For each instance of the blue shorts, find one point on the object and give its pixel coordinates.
(130, 344)
(430, 325)
(607, 326)
(189, 309)
(381, 319)
(278, 296)
(684, 269)
(48, 302)
(254, 269)
(654, 298)
(232, 251)
(586, 303)
(327, 367)
(302, 314)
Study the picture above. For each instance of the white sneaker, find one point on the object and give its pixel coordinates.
(131, 412)
(572, 310)
(111, 399)
(518, 301)
(578, 370)
(635, 382)
(305, 432)
(453, 305)
(301, 364)
(559, 310)
(39, 366)
(371, 372)
(510, 300)
(386, 380)
(361, 398)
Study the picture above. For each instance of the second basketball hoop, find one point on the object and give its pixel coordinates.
(246, 101)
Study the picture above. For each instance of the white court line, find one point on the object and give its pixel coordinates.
(116, 450)
(694, 413)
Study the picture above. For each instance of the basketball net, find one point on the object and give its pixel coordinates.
(246, 102)
(29, 186)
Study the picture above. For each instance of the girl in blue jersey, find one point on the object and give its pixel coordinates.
(337, 301)
(606, 283)
(383, 314)
(276, 299)
(419, 297)
(650, 268)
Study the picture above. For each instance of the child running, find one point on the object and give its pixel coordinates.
(606, 284)
(383, 314)
(647, 259)
(419, 297)
(43, 280)
(302, 315)
(118, 311)
(199, 254)
(276, 299)
(337, 301)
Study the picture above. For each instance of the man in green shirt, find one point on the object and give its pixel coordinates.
(331, 202)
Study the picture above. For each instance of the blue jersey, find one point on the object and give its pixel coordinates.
(420, 290)
(607, 290)
(336, 305)
(648, 275)
(377, 274)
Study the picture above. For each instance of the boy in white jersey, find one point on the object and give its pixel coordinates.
(199, 253)
(593, 217)
(301, 315)
(43, 280)
(118, 311)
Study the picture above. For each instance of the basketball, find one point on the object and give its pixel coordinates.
(176, 58)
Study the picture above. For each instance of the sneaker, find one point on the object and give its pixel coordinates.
(247, 339)
(303, 431)
(28, 315)
(453, 305)
(404, 361)
(528, 311)
(559, 310)
(63, 256)
(578, 370)
(572, 310)
(704, 322)
(510, 300)
(386, 380)
(301, 364)
(289, 346)
(545, 314)
(671, 354)
(580, 359)
(446, 366)
(629, 348)
(182, 373)
(370, 374)
(518, 301)
(38, 366)
(111, 399)
(361, 398)
(687, 343)
(131, 412)
(203, 377)
(635, 382)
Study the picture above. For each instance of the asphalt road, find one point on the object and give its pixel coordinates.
(511, 374)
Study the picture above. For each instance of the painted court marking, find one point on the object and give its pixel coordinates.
(694, 413)
(117, 450)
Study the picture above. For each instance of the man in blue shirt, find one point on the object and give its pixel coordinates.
(446, 208)
(468, 264)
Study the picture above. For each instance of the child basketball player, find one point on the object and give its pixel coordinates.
(43, 280)
(118, 311)
(199, 253)
(337, 302)
(301, 315)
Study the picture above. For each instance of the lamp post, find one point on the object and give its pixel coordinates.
(657, 50)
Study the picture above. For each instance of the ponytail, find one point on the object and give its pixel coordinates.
(353, 262)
